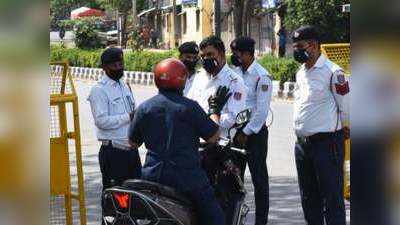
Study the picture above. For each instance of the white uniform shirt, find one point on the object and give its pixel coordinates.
(259, 92)
(111, 102)
(315, 108)
(188, 84)
(204, 85)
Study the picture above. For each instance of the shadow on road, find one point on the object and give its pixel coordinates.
(285, 208)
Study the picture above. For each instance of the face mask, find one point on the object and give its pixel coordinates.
(116, 74)
(236, 61)
(210, 64)
(301, 55)
(190, 65)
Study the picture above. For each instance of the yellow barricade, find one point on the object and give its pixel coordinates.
(340, 54)
(62, 97)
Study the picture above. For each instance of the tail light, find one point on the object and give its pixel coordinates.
(122, 199)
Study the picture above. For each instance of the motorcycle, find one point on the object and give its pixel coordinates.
(141, 202)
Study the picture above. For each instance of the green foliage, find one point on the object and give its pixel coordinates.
(282, 69)
(61, 9)
(120, 5)
(85, 31)
(135, 42)
(66, 24)
(327, 15)
(76, 56)
(145, 60)
(133, 60)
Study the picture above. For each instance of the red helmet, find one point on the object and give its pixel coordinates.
(170, 74)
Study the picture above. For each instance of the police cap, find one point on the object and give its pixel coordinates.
(306, 32)
(111, 55)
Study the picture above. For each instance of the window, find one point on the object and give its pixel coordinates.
(197, 20)
(184, 24)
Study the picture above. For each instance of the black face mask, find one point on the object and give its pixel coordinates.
(236, 61)
(190, 65)
(210, 64)
(116, 74)
(301, 55)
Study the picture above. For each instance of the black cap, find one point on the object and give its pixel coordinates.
(306, 32)
(243, 44)
(111, 55)
(189, 47)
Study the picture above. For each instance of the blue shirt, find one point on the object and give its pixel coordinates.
(170, 126)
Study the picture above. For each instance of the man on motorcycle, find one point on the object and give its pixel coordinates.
(170, 126)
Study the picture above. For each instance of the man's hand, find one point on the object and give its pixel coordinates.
(346, 131)
(240, 139)
(134, 145)
(131, 115)
(217, 101)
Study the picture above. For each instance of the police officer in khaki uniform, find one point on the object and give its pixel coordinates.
(320, 117)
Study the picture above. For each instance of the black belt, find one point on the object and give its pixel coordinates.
(109, 143)
(319, 136)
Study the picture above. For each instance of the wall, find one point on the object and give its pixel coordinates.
(192, 34)
(261, 31)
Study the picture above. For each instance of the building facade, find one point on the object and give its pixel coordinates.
(194, 21)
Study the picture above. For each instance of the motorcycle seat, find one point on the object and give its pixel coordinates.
(166, 191)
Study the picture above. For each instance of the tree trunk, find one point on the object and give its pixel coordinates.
(246, 17)
(217, 18)
(123, 30)
(242, 12)
(237, 17)
(134, 15)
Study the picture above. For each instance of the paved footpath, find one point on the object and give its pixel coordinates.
(285, 208)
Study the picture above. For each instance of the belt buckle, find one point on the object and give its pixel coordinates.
(105, 142)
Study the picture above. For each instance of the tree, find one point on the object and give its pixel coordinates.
(86, 36)
(61, 9)
(123, 7)
(326, 15)
(242, 13)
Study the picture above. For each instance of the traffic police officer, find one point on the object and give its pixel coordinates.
(254, 136)
(112, 105)
(171, 125)
(320, 117)
(189, 55)
(217, 73)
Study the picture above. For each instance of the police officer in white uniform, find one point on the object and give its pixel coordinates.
(189, 55)
(112, 105)
(320, 116)
(254, 136)
(216, 78)
(217, 74)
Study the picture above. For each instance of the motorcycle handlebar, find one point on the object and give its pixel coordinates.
(223, 142)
